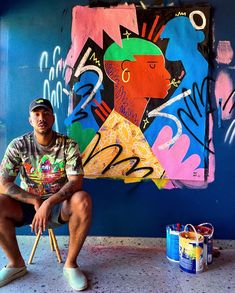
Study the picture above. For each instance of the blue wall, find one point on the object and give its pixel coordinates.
(30, 27)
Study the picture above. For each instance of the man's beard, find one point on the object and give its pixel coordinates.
(45, 132)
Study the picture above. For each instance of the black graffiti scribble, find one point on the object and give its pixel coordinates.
(134, 159)
(81, 114)
(226, 102)
(189, 114)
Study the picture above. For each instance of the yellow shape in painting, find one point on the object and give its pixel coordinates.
(161, 183)
(120, 150)
(132, 180)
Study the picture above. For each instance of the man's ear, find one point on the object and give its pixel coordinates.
(30, 121)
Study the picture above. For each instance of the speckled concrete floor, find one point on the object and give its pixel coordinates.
(120, 268)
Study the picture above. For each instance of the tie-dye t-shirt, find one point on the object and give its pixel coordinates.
(43, 169)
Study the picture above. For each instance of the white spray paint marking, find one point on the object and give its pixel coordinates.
(156, 112)
(230, 131)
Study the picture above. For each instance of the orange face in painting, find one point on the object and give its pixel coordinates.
(138, 72)
(147, 77)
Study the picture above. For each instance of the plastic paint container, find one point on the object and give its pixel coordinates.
(172, 241)
(191, 251)
(207, 230)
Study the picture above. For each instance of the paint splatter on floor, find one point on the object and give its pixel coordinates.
(120, 269)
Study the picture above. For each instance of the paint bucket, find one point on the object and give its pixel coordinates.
(207, 230)
(191, 250)
(172, 241)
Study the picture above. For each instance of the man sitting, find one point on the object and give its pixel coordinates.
(50, 193)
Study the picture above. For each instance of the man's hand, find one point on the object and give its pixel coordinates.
(43, 210)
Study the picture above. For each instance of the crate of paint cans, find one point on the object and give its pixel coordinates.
(191, 246)
(172, 241)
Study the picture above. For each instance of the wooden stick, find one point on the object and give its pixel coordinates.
(56, 246)
(34, 247)
(51, 239)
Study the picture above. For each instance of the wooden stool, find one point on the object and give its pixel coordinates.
(53, 243)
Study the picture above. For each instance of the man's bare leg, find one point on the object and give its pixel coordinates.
(10, 214)
(77, 211)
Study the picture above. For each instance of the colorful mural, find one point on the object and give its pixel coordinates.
(224, 88)
(139, 94)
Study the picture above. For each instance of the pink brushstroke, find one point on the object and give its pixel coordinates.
(182, 172)
(224, 52)
(172, 159)
(223, 89)
(91, 22)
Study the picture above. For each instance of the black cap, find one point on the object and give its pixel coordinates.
(44, 103)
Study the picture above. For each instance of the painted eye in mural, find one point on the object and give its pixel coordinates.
(152, 65)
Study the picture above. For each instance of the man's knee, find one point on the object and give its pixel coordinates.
(81, 203)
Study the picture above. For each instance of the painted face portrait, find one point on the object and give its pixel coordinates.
(148, 77)
(139, 66)
(139, 73)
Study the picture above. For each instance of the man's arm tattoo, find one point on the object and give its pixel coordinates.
(67, 190)
(14, 191)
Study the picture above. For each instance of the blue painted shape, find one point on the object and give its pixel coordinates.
(183, 46)
(83, 88)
